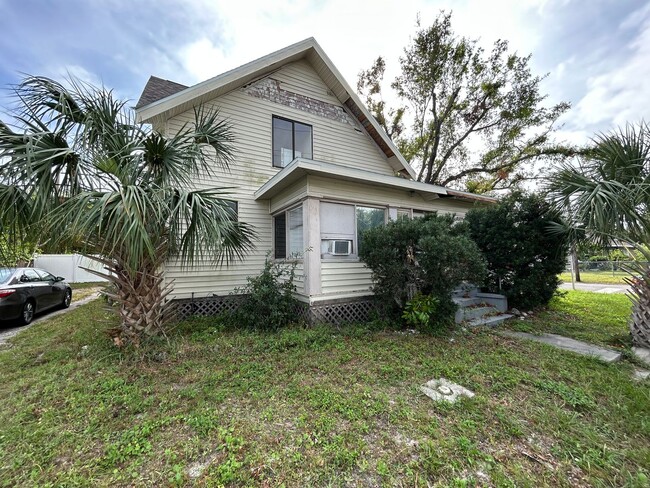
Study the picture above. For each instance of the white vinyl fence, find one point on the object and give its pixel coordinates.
(69, 266)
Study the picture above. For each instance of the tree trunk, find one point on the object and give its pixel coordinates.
(640, 320)
(141, 299)
(574, 264)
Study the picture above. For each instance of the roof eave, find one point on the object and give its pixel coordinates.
(300, 167)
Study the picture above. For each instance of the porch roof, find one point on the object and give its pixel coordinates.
(299, 168)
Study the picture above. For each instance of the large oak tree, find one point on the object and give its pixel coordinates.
(466, 117)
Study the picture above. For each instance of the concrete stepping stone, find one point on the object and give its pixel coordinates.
(642, 354)
(641, 374)
(584, 348)
(443, 390)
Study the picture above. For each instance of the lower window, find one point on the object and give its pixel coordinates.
(342, 227)
(288, 234)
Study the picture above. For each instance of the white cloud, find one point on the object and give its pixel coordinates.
(620, 92)
(202, 59)
(73, 71)
(352, 33)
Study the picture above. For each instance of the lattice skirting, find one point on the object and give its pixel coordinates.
(206, 306)
(335, 312)
(342, 311)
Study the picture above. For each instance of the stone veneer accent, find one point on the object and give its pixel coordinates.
(269, 89)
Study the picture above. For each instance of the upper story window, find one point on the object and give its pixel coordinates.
(291, 140)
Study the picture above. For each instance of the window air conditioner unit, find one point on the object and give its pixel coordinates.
(340, 248)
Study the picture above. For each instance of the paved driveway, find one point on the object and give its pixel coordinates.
(11, 331)
(597, 287)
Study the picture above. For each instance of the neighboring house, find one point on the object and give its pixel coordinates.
(312, 170)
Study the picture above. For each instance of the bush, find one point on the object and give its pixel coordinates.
(523, 257)
(268, 302)
(430, 256)
(420, 311)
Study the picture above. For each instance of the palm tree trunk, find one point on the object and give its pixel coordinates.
(141, 298)
(640, 320)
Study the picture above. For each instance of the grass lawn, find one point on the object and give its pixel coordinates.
(83, 290)
(317, 407)
(605, 277)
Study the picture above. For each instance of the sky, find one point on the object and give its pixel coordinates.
(596, 52)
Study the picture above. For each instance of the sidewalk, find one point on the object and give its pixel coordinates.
(597, 287)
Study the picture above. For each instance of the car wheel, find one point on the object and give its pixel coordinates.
(27, 315)
(67, 298)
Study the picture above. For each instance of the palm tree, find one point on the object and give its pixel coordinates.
(609, 196)
(75, 166)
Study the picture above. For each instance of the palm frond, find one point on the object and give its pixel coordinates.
(203, 226)
(608, 193)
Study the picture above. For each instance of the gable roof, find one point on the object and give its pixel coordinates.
(157, 89)
(180, 101)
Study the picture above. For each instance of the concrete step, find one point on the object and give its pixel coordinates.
(471, 313)
(466, 302)
(491, 321)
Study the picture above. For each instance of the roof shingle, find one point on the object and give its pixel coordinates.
(157, 89)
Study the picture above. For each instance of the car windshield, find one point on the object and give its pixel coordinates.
(5, 274)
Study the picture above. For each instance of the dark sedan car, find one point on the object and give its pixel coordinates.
(27, 291)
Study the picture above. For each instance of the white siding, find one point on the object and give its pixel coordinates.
(360, 193)
(343, 277)
(251, 119)
(299, 276)
(300, 77)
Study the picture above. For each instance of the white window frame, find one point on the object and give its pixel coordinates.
(288, 257)
(354, 256)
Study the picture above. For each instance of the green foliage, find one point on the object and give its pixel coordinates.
(459, 97)
(15, 251)
(575, 397)
(431, 256)
(420, 311)
(268, 302)
(523, 257)
(607, 196)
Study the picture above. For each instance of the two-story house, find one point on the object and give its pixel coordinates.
(313, 169)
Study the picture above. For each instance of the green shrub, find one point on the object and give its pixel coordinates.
(523, 257)
(268, 302)
(431, 256)
(421, 312)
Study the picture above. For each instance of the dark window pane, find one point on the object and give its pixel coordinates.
(31, 275)
(280, 235)
(282, 142)
(303, 140)
(234, 207)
